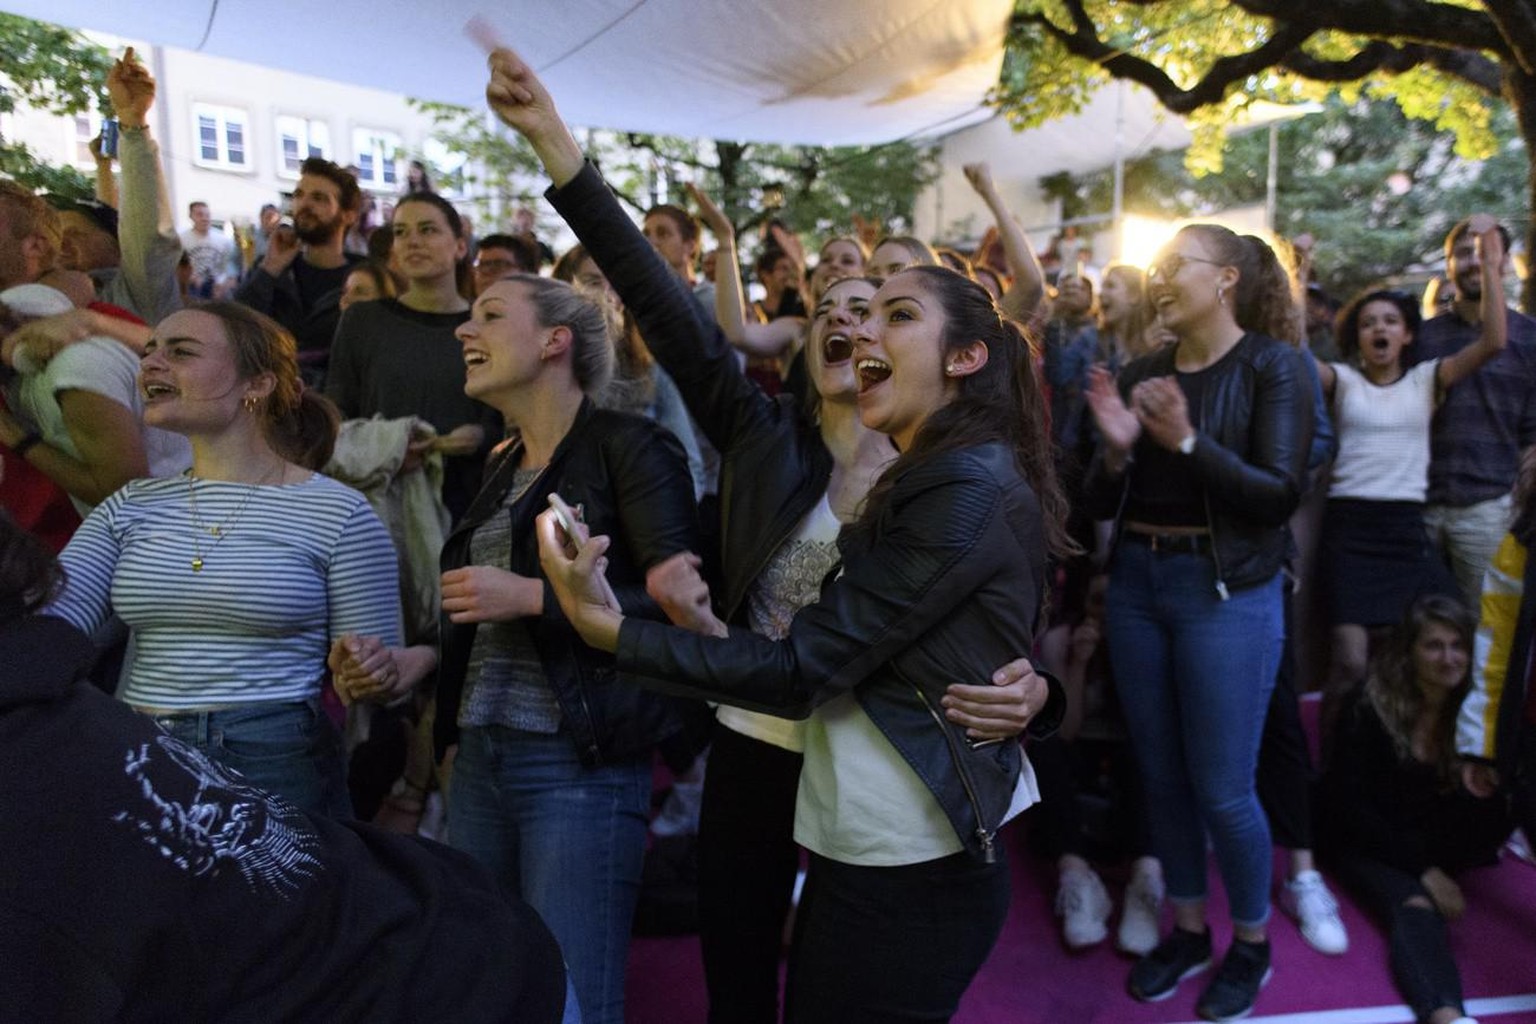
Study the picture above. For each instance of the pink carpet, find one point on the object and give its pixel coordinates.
(1032, 979)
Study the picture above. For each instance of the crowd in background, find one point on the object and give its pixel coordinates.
(915, 542)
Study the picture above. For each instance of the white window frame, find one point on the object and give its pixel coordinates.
(450, 170)
(311, 137)
(224, 118)
(80, 143)
(375, 152)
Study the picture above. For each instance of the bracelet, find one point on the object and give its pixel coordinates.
(133, 127)
(28, 441)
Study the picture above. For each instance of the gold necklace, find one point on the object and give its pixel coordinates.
(220, 530)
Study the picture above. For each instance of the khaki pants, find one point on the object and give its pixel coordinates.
(1469, 536)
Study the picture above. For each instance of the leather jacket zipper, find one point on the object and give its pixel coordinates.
(1221, 584)
(983, 835)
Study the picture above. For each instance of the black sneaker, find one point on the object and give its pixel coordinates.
(1181, 955)
(1232, 992)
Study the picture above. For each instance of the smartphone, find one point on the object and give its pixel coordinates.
(109, 137)
(568, 518)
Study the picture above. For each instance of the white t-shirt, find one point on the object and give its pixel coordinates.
(860, 802)
(102, 367)
(1383, 434)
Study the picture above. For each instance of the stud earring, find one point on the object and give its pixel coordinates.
(1221, 294)
(951, 369)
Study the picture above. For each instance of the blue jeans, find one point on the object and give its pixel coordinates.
(289, 749)
(570, 840)
(1195, 674)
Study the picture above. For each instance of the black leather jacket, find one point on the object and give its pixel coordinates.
(942, 590)
(1254, 429)
(774, 466)
(631, 478)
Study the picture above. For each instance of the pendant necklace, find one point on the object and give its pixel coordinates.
(219, 531)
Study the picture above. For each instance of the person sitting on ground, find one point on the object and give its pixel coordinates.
(1396, 822)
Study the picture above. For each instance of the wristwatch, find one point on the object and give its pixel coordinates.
(1187, 446)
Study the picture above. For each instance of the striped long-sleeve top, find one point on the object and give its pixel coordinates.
(283, 571)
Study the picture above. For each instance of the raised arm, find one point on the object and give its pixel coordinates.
(694, 352)
(1495, 332)
(1028, 287)
(742, 331)
(147, 229)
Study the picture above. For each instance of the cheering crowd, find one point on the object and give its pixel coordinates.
(918, 543)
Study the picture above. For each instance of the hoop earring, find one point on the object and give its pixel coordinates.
(249, 404)
(1221, 294)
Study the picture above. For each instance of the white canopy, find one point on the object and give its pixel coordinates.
(826, 72)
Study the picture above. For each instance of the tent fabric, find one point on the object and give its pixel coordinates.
(845, 72)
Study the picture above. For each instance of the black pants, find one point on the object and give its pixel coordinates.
(747, 864)
(1285, 765)
(1056, 823)
(1420, 950)
(878, 945)
(1525, 782)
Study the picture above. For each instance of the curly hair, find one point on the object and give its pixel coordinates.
(1346, 326)
(1392, 686)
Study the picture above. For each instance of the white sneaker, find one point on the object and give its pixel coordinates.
(1139, 932)
(1083, 904)
(1307, 899)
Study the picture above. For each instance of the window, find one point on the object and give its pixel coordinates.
(298, 139)
(221, 137)
(447, 167)
(376, 158)
(83, 128)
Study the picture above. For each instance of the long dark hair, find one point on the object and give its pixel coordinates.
(1262, 301)
(1393, 688)
(1000, 402)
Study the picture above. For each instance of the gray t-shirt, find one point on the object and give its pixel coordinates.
(506, 684)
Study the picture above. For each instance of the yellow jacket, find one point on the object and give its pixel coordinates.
(1493, 708)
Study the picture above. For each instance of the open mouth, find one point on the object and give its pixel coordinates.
(836, 348)
(1380, 344)
(156, 390)
(872, 372)
(474, 357)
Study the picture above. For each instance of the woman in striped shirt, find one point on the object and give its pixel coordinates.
(240, 577)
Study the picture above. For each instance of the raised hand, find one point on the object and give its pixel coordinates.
(132, 90)
(713, 217)
(520, 100)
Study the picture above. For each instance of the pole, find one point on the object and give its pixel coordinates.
(1117, 227)
(1272, 177)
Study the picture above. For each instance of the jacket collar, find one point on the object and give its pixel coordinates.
(503, 467)
(40, 657)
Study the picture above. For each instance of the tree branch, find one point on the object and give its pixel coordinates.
(1402, 21)
(1517, 23)
(1472, 68)
(1083, 41)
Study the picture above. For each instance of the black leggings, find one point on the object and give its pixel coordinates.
(747, 864)
(1421, 960)
(881, 945)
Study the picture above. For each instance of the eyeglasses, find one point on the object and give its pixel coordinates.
(495, 265)
(1167, 267)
